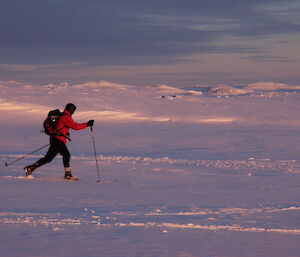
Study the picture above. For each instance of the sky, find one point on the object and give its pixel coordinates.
(178, 42)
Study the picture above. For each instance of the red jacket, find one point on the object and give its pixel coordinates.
(66, 122)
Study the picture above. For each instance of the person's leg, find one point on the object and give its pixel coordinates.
(63, 150)
(52, 152)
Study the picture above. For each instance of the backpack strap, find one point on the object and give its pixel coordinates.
(58, 130)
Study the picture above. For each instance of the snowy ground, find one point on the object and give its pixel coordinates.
(200, 171)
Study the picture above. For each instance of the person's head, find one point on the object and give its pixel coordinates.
(71, 108)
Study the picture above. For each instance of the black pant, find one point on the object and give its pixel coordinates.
(56, 146)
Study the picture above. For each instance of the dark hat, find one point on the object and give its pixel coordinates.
(70, 107)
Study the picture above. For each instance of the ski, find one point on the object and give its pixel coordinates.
(30, 177)
(55, 179)
(107, 181)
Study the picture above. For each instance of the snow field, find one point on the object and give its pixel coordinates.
(201, 171)
(153, 197)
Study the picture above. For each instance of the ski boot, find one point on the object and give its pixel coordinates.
(29, 169)
(68, 175)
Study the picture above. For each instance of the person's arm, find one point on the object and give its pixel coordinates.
(70, 123)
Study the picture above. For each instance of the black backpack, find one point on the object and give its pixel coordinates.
(50, 122)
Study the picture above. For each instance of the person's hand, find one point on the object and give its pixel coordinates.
(90, 123)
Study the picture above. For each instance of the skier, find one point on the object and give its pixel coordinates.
(58, 142)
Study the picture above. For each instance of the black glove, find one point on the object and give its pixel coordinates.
(90, 123)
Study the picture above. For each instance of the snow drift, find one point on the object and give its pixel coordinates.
(216, 163)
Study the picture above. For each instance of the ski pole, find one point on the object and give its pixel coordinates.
(94, 144)
(24, 156)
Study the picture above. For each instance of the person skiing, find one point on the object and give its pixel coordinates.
(58, 142)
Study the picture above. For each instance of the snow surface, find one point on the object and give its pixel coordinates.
(196, 171)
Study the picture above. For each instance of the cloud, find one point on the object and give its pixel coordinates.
(131, 32)
(268, 58)
(18, 68)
